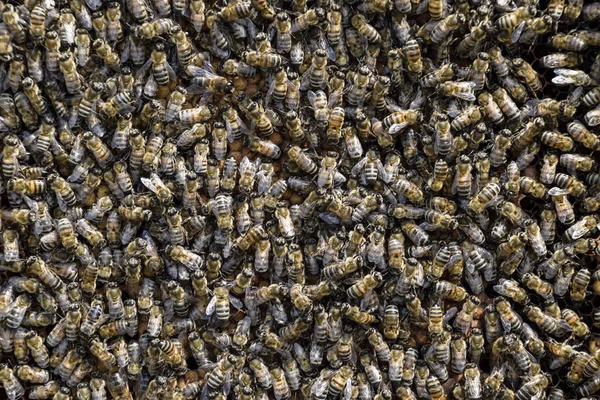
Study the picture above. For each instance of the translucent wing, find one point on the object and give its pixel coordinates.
(264, 181)
(270, 91)
(467, 93)
(151, 86)
(61, 203)
(450, 313)
(417, 101)
(150, 184)
(211, 307)
(563, 80)
(516, 34)
(69, 29)
(358, 166)
(397, 128)
(33, 205)
(311, 97)
(235, 302)
(385, 176)
(423, 5)
(199, 71)
(305, 80)
(139, 76)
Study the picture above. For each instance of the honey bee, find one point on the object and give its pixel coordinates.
(359, 23)
(219, 305)
(264, 60)
(309, 18)
(566, 42)
(13, 388)
(506, 104)
(186, 257)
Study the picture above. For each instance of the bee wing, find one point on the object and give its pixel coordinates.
(453, 260)
(516, 34)
(334, 97)
(318, 387)
(366, 300)
(347, 393)
(467, 95)
(33, 205)
(305, 80)
(329, 218)
(423, 5)
(245, 165)
(269, 94)
(575, 95)
(501, 289)
(505, 324)
(227, 384)
(139, 75)
(212, 305)
(385, 175)
(556, 191)
(323, 44)
(311, 97)
(397, 128)
(418, 100)
(271, 114)
(450, 313)
(571, 73)
(61, 203)
(151, 87)
(339, 178)
(149, 183)
(563, 80)
(358, 166)
(70, 31)
(264, 181)
(235, 302)
(199, 71)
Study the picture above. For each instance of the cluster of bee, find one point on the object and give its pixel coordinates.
(259, 199)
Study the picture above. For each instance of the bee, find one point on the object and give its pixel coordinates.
(13, 388)
(525, 71)
(501, 145)
(434, 388)
(445, 27)
(110, 58)
(580, 329)
(581, 228)
(100, 351)
(566, 42)
(186, 257)
(70, 362)
(511, 321)
(263, 60)
(158, 187)
(579, 285)
(473, 40)
(264, 147)
(463, 180)
(564, 209)
(506, 104)
(219, 304)
(360, 288)
(33, 93)
(359, 23)
(465, 316)
(307, 19)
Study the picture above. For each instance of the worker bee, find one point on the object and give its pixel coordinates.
(219, 305)
(307, 19)
(263, 60)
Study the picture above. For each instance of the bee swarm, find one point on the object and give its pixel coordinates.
(263, 199)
